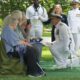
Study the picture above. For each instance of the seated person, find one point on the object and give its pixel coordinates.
(23, 30)
(19, 48)
(63, 46)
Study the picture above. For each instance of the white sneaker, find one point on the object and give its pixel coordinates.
(73, 62)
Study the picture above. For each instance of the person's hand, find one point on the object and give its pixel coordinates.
(22, 42)
(26, 43)
(36, 17)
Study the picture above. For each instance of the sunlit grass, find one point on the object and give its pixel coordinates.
(46, 62)
(46, 54)
(1, 22)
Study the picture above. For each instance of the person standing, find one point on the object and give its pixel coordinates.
(37, 14)
(74, 22)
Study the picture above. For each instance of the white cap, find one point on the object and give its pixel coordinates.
(75, 1)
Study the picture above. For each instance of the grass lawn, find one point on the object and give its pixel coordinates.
(46, 62)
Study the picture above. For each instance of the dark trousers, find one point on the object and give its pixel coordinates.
(52, 34)
(38, 47)
(30, 61)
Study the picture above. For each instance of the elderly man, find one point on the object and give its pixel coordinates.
(63, 46)
(74, 22)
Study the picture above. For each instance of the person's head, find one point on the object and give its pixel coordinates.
(36, 3)
(75, 4)
(13, 22)
(24, 24)
(55, 18)
(14, 18)
(17, 14)
(57, 9)
(24, 19)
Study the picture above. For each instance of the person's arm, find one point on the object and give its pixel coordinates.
(47, 22)
(68, 19)
(44, 16)
(64, 37)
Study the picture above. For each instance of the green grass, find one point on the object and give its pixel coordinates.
(46, 31)
(46, 62)
(46, 54)
(47, 34)
(1, 22)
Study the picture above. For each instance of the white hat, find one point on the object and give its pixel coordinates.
(75, 1)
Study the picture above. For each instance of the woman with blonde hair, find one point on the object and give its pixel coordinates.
(18, 48)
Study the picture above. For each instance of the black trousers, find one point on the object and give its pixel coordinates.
(52, 33)
(38, 47)
(30, 61)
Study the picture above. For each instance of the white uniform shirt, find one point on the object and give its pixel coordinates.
(74, 20)
(36, 18)
(63, 35)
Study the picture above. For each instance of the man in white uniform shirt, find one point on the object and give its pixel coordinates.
(37, 14)
(74, 22)
(63, 46)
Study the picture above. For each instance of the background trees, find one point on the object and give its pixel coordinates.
(7, 6)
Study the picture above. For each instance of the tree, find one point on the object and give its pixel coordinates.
(7, 6)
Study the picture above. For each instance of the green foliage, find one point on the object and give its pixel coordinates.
(1, 22)
(7, 6)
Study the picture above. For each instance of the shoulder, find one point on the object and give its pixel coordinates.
(70, 11)
(6, 31)
(63, 15)
(30, 7)
(63, 25)
(6, 28)
(41, 6)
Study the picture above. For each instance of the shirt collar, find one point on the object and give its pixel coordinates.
(58, 24)
(76, 9)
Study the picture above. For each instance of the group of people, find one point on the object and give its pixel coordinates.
(65, 36)
(22, 36)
